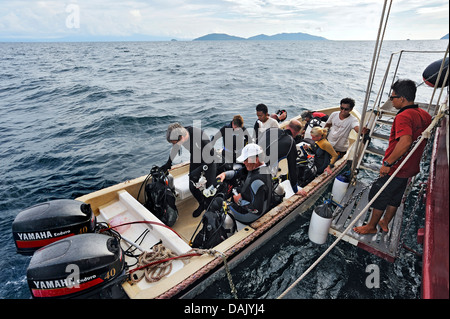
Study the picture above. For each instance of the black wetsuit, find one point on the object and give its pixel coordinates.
(256, 195)
(197, 143)
(233, 142)
(286, 149)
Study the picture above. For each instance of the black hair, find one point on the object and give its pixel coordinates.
(406, 89)
(348, 101)
(262, 108)
(307, 114)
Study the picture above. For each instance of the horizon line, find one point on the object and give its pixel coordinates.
(153, 38)
(130, 39)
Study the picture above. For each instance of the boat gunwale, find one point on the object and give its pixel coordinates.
(434, 276)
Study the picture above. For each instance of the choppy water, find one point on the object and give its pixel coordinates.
(77, 117)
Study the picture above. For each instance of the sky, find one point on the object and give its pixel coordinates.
(189, 19)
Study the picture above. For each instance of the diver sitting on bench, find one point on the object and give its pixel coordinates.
(253, 199)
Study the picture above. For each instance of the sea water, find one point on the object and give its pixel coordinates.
(78, 117)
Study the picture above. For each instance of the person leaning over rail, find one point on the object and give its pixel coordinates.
(408, 125)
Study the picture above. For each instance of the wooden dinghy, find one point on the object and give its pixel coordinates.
(120, 204)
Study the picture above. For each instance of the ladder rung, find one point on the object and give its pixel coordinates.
(380, 136)
(387, 122)
(384, 112)
(372, 168)
(376, 151)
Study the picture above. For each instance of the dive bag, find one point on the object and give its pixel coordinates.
(160, 197)
(218, 224)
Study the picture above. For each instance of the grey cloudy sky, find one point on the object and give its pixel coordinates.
(188, 19)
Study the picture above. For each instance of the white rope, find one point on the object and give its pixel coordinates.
(425, 135)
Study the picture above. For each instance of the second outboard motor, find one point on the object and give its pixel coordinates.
(82, 266)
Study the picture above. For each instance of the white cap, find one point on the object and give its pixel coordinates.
(250, 150)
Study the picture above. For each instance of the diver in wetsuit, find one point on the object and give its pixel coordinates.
(283, 144)
(235, 136)
(253, 199)
(199, 145)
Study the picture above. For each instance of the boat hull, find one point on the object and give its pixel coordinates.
(435, 271)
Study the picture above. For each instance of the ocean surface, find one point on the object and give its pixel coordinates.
(78, 117)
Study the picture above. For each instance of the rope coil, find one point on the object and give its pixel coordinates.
(155, 265)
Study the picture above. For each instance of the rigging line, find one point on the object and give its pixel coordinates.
(425, 135)
(376, 52)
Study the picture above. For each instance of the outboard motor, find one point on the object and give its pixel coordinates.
(45, 223)
(82, 266)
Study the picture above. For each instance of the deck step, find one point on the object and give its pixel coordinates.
(384, 245)
(375, 151)
(388, 113)
(380, 136)
(386, 122)
(373, 168)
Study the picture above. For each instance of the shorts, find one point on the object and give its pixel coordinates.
(391, 196)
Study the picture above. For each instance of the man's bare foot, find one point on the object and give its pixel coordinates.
(383, 225)
(365, 230)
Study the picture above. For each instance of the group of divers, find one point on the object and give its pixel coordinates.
(249, 162)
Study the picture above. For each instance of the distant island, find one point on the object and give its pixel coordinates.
(444, 37)
(262, 37)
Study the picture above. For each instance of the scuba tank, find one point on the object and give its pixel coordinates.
(340, 186)
(320, 223)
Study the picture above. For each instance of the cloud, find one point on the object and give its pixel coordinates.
(347, 19)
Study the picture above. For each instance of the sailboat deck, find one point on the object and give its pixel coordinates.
(384, 245)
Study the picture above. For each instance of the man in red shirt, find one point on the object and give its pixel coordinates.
(408, 125)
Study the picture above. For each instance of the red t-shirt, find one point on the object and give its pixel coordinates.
(410, 121)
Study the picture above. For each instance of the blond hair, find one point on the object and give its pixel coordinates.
(318, 131)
